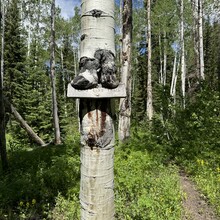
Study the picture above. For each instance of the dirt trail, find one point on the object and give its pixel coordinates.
(196, 208)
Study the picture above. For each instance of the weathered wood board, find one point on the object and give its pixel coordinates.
(99, 92)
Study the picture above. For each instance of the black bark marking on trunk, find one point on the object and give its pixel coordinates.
(106, 133)
(83, 37)
(98, 70)
(96, 13)
(100, 132)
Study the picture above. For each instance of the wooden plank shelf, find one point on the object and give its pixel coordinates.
(95, 93)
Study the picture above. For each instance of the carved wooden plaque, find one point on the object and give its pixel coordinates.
(100, 92)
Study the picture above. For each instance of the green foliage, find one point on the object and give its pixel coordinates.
(212, 55)
(190, 139)
(145, 189)
(44, 182)
(14, 56)
(198, 142)
(38, 176)
(205, 171)
(65, 208)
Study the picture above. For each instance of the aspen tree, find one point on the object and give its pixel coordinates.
(125, 103)
(183, 65)
(53, 78)
(95, 85)
(201, 49)
(149, 67)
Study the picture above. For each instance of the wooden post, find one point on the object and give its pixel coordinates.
(96, 86)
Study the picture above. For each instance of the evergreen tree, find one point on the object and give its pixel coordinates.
(211, 48)
(14, 57)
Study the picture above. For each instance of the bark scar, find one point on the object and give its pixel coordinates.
(83, 37)
(96, 13)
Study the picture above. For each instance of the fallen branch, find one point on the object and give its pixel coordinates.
(11, 109)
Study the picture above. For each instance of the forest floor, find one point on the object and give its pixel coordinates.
(195, 205)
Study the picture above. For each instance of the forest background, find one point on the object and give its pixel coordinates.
(181, 135)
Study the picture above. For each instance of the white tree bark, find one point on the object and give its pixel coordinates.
(183, 65)
(97, 153)
(96, 123)
(174, 77)
(149, 68)
(53, 78)
(165, 59)
(2, 105)
(125, 103)
(201, 49)
(95, 33)
(161, 61)
(2, 20)
(196, 36)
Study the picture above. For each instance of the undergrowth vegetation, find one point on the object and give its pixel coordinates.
(43, 183)
(145, 188)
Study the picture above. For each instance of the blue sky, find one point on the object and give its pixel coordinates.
(67, 7)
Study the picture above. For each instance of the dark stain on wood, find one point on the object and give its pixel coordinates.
(100, 131)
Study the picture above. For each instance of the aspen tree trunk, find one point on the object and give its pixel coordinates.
(174, 79)
(2, 106)
(53, 78)
(183, 65)
(196, 35)
(201, 47)
(64, 82)
(149, 69)
(75, 62)
(125, 103)
(165, 59)
(96, 123)
(161, 61)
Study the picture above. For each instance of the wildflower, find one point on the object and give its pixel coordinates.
(21, 203)
(27, 204)
(202, 162)
(33, 201)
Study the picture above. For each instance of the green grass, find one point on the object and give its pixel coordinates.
(37, 178)
(145, 188)
(44, 183)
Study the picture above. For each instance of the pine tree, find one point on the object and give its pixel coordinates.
(14, 58)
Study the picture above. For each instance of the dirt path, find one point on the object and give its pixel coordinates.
(195, 207)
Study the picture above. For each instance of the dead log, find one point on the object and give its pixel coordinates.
(12, 110)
